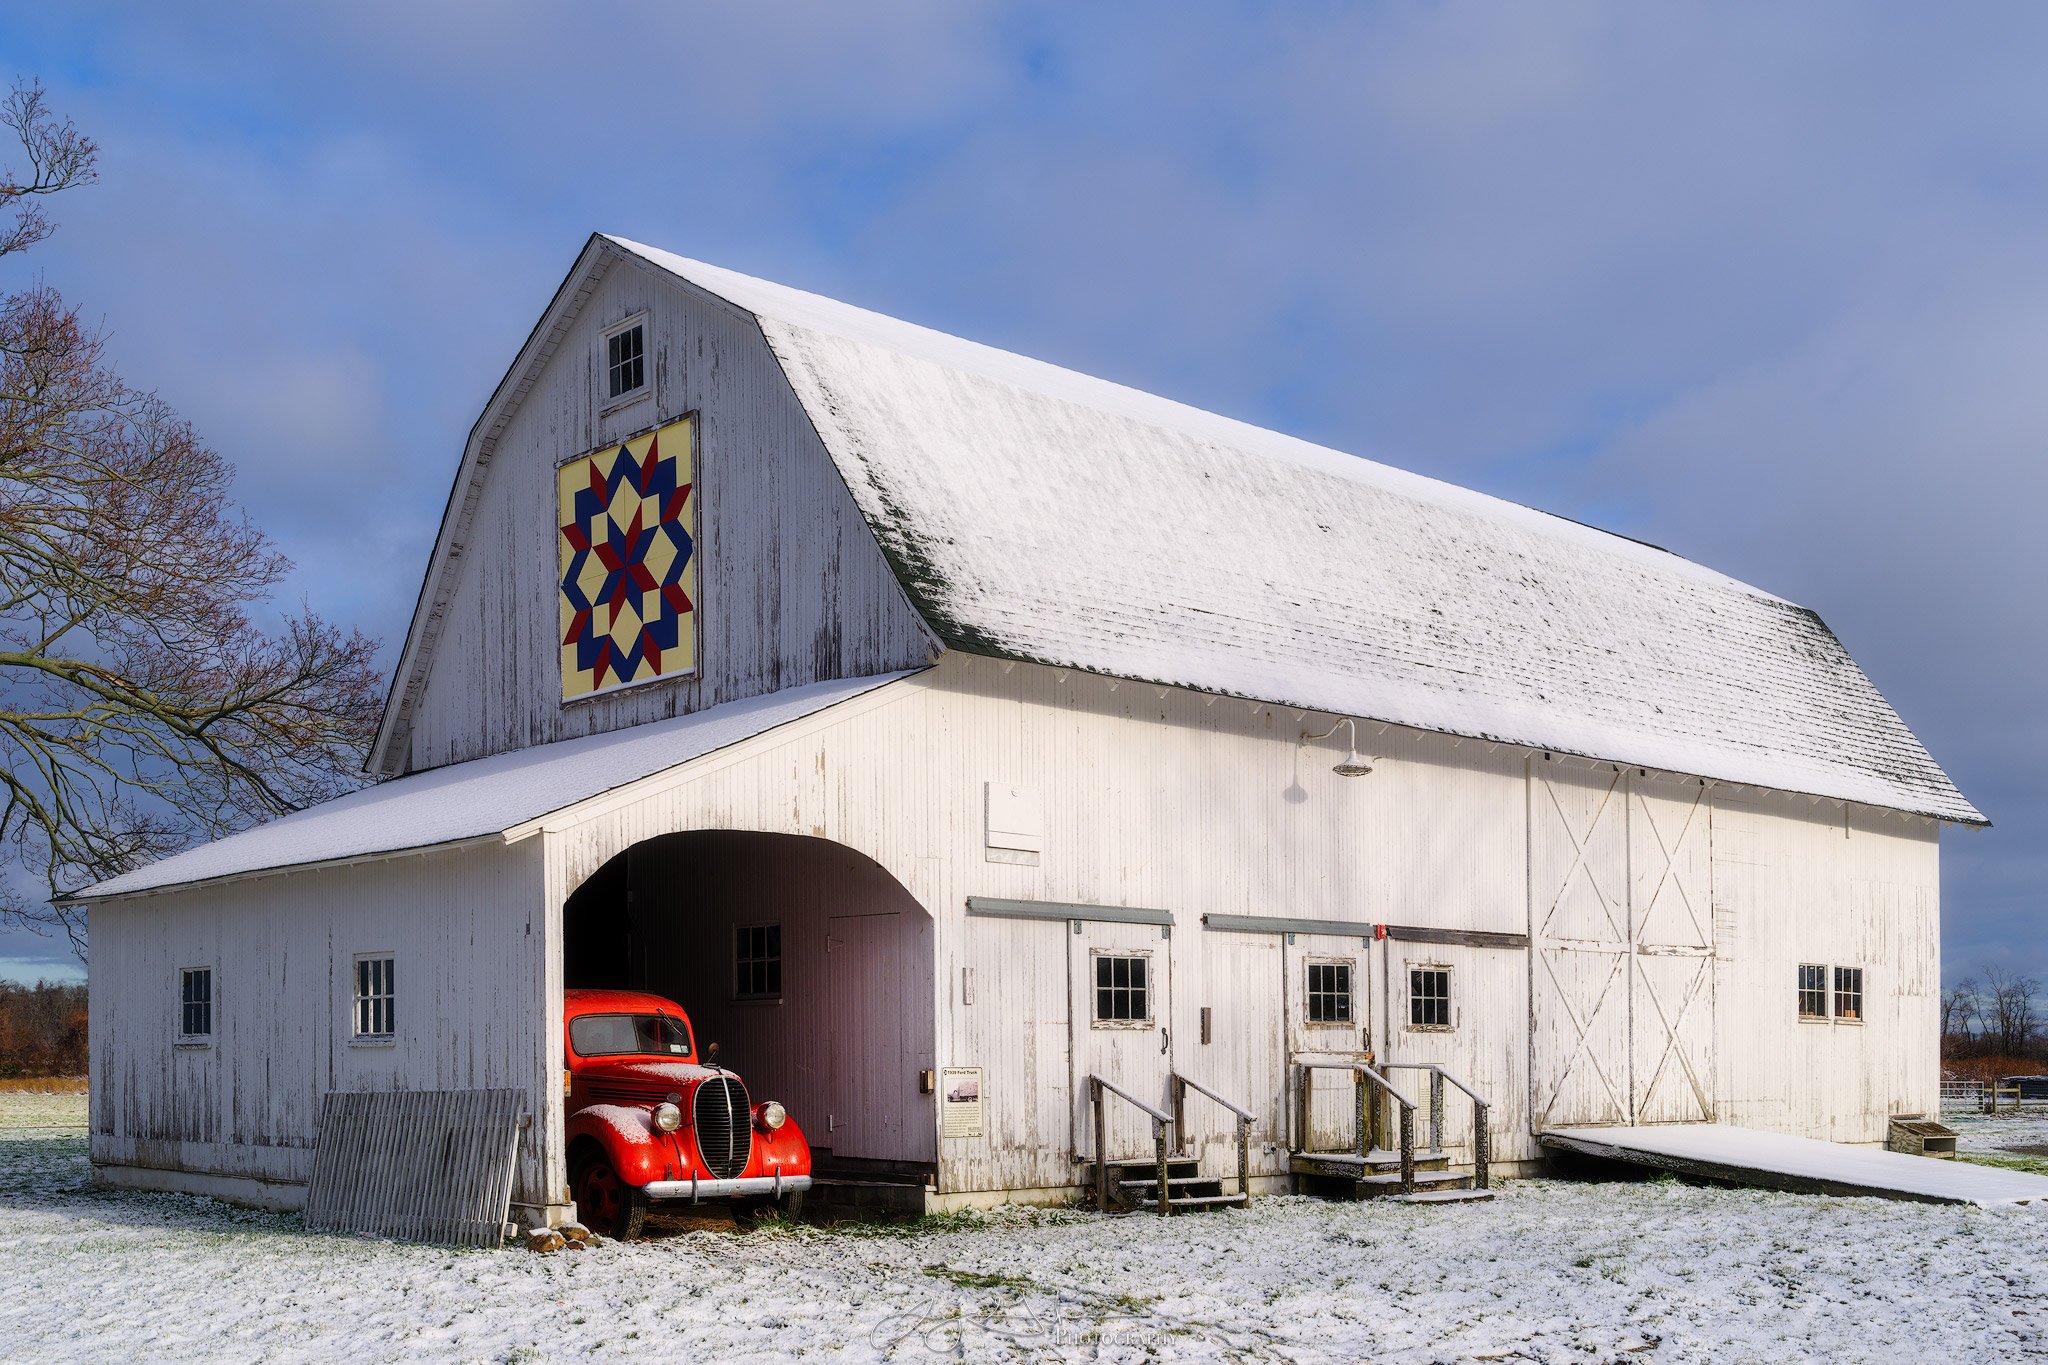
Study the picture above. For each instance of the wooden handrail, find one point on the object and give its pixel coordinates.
(1191, 1083)
(1361, 1075)
(1377, 1079)
(1181, 1086)
(1158, 1115)
(1160, 1123)
(1482, 1136)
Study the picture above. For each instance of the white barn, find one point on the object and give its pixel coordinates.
(933, 722)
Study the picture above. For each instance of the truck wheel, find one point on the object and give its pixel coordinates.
(605, 1202)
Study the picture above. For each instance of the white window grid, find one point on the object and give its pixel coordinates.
(1429, 996)
(1329, 991)
(625, 359)
(1849, 994)
(1123, 989)
(1813, 990)
(195, 1003)
(376, 995)
(757, 962)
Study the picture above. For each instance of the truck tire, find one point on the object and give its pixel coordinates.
(603, 1201)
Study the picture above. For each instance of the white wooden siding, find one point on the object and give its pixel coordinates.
(463, 927)
(1799, 881)
(792, 587)
(1167, 801)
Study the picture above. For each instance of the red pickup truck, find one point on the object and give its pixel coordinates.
(649, 1119)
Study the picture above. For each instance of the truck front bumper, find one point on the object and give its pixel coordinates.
(696, 1190)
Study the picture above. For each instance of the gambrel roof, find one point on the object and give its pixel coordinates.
(1039, 514)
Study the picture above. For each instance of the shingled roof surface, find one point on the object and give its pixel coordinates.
(1039, 514)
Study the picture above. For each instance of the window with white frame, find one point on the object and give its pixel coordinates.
(625, 352)
(757, 962)
(1123, 988)
(1849, 994)
(376, 1002)
(1429, 997)
(1813, 990)
(195, 1003)
(1329, 992)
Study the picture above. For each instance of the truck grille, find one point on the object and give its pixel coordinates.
(725, 1126)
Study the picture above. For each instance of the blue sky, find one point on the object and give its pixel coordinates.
(1761, 284)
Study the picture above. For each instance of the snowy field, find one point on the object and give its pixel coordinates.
(1551, 1271)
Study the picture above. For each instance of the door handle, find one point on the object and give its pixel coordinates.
(1165, 1041)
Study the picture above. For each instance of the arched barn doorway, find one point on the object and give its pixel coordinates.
(807, 962)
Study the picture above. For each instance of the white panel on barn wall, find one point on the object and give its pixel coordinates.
(1015, 823)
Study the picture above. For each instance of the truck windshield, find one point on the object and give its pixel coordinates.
(612, 1035)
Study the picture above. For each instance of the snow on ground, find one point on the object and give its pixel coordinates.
(1551, 1271)
(2017, 1140)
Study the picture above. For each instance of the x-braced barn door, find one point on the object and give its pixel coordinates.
(1621, 938)
(1672, 997)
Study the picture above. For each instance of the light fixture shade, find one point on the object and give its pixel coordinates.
(1352, 766)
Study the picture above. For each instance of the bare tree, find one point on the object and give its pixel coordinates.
(141, 706)
(2009, 1002)
(1962, 1011)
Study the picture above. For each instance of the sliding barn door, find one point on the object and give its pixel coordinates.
(1579, 940)
(1622, 951)
(1672, 998)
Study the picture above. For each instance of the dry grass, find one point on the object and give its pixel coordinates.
(42, 1085)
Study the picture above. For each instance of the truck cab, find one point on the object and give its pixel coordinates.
(651, 1120)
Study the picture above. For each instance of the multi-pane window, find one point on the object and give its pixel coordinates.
(195, 1002)
(625, 361)
(1123, 992)
(1813, 991)
(376, 997)
(757, 962)
(1849, 993)
(1429, 997)
(1329, 992)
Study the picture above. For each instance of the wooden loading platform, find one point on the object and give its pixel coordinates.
(1775, 1161)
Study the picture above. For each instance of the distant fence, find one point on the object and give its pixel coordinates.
(1990, 1097)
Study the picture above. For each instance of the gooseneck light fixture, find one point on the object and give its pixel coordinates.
(1353, 765)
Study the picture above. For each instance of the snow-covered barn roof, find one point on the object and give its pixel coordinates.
(480, 799)
(1039, 514)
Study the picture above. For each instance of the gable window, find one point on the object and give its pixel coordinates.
(376, 997)
(1849, 993)
(1813, 991)
(195, 1004)
(625, 355)
(1329, 992)
(1429, 997)
(757, 962)
(1123, 989)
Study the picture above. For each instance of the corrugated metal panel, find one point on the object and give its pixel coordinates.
(421, 1166)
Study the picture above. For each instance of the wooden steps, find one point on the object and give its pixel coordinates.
(1346, 1175)
(1134, 1186)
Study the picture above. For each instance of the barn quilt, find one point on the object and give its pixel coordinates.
(628, 563)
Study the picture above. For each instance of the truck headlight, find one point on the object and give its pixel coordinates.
(667, 1117)
(771, 1116)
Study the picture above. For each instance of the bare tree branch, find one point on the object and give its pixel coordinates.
(141, 706)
